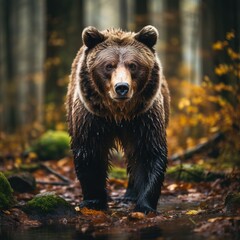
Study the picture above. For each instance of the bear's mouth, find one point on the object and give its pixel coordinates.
(121, 99)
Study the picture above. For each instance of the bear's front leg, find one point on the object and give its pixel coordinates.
(90, 151)
(147, 154)
(149, 178)
(92, 177)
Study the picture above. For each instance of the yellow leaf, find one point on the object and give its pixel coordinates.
(232, 54)
(219, 45)
(18, 162)
(192, 109)
(172, 187)
(230, 35)
(214, 129)
(221, 69)
(32, 155)
(193, 212)
(6, 212)
(197, 100)
(184, 102)
(183, 120)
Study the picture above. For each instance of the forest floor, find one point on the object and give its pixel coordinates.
(187, 210)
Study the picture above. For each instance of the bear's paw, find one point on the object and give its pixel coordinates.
(94, 204)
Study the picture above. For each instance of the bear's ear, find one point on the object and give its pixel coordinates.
(91, 37)
(147, 35)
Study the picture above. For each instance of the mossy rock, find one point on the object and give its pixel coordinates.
(117, 172)
(52, 145)
(186, 173)
(6, 193)
(48, 204)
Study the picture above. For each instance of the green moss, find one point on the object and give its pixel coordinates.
(30, 167)
(187, 173)
(47, 203)
(117, 172)
(52, 145)
(6, 193)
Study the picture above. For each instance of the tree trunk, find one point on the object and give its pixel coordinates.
(4, 105)
(141, 14)
(218, 18)
(123, 14)
(191, 37)
(173, 38)
(64, 28)
(158, 18)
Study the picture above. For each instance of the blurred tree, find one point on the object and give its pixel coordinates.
(64, 27)
(173, 38)
(123, 14)
(142, 17)
(23, 44)
(158, 16)
(105, 13)
(4, 103)
(218, 18)
(22, 50)
(190, 39)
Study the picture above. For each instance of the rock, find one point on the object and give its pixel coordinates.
(22, 182)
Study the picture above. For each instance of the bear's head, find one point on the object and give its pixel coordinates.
(122, 68)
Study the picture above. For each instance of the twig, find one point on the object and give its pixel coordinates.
(197, 149)
(192, 221)
(53, 183)
(190, 173)
(60, 176)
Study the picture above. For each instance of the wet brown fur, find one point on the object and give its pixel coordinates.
(94, 117)
(104, 105)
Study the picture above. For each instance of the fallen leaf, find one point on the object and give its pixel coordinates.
(6, 212)
(87, 211)
(136, 216)
(172, 187)
(193, 212)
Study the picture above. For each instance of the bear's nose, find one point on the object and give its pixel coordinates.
(122, 89)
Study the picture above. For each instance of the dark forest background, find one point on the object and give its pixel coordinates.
(199, 47)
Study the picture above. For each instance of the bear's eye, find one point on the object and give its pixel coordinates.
(109, 67)
(132, 67)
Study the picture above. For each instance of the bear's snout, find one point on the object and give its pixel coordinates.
(121, 89)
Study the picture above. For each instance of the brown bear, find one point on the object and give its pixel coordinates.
(117, 91)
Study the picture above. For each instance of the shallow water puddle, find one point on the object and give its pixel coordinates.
(173, 223)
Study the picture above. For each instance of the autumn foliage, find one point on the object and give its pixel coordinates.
(213, 106)
(197, 111)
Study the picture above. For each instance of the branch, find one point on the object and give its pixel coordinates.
(60, 176)
(53, 183)
(197, 149)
